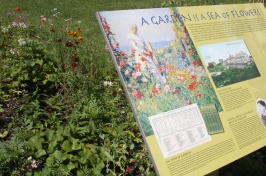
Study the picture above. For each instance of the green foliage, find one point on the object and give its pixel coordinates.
(26, 65)
(234, 75)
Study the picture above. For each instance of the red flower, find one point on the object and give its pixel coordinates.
(69, 44)
(122, 53)
(160, 69)
(199, 95)
(190, 103)
(137, 94)
(143, 59)
(127, 169)
(117, 44)
(116, 58)
(137, 66)
(17, 9)
(192, 86)
(74, 64)
(75, 57)
(193, 77)
(176, 91)
(183, 54)
(196, 63)
(154, 90)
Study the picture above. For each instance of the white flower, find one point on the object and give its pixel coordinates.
(167, 88)
(55, 9)
(107, 83)
(68, 19)
(4, 29)
(79, 22)
(29, 158)
(12, 51)
(21, 41)
(34, 164)
(23, 25)
(164, 79)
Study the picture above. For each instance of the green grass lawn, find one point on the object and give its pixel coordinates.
(56, 115)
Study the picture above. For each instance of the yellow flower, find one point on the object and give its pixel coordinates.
(75, 34)
(70, 33)
(80, 38)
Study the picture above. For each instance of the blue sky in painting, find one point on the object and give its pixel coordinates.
(214, 52)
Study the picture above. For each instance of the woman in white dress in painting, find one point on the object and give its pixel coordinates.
(143, 55)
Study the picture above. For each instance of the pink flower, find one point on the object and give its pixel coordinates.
(122, 64)
(43, 18)
(136, 74)
(134, 92)
(144, 79)
(180, 78)
(133, 50)
(129, 85)
(127, 72)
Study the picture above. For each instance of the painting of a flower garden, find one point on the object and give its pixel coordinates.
(159, 72)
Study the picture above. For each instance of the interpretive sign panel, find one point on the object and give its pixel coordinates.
(195, 79)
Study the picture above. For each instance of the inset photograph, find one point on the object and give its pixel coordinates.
(229, 62)
(261, 108)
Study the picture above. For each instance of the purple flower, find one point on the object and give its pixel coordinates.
(9, 14)
(21, 18)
